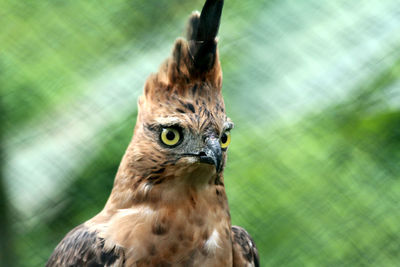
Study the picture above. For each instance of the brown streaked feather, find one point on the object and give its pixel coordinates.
(245, 252)
(81, 247)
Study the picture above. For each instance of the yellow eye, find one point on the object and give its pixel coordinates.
(225, 140)
(170, 136)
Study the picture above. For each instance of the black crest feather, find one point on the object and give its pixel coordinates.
(201, 34)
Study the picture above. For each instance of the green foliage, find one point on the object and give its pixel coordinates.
(318, 198)
(84, 198)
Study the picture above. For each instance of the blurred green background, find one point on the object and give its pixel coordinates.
(312, 86)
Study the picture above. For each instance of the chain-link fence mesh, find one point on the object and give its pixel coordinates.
(312, 86)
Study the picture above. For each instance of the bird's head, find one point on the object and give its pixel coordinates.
(182, 129)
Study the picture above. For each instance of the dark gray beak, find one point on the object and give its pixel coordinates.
(212, 153)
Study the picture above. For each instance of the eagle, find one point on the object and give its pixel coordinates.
(168, 205)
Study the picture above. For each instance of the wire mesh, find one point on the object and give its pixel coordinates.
(312, 86)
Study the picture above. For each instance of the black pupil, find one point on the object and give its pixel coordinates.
(170, 135)
(224, 138)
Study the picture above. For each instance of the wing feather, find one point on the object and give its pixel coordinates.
(245, 253)
(80, 247)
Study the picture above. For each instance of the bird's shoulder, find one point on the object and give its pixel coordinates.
(83, 247)
(245, 252)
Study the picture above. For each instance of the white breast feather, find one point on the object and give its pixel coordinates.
(212, 242)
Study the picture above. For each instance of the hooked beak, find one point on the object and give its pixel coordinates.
(212, 153)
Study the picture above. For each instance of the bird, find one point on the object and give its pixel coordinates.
(168, 205)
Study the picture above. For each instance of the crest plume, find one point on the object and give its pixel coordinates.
(201, 34)
(194, 60)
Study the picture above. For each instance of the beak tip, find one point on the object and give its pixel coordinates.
(214, 153)
(218, 165)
